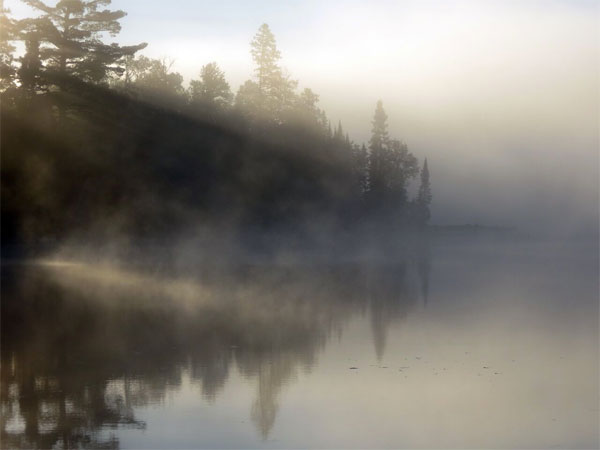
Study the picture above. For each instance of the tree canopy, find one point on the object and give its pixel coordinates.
(97, 140)
(69, 39)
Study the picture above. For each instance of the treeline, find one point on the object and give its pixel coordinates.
(99, 143)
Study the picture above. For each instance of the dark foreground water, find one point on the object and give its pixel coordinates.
(472, 343)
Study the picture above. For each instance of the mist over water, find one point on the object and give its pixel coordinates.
(471, 343)
(201, 251)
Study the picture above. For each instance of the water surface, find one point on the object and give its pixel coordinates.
(469, 343)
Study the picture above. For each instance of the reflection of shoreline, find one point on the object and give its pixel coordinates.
(83, 347)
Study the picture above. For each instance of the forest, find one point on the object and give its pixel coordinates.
(103, 145)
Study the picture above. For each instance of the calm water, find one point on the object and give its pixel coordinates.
(473, 343)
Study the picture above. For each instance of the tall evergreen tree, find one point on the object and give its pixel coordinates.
(265, 54)
(276, 89)
(72, 34)
(391, 167)
(378, 147)
(379, 133)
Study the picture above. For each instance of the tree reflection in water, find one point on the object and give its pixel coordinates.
(80, 351)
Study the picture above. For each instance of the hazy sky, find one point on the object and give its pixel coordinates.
(502, 97)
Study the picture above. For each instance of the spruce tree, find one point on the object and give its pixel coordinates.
(379, 133)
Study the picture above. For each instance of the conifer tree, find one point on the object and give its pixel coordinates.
(276, 89)
(72, 30)
(265, 55)
(379, 133)
(378, 146)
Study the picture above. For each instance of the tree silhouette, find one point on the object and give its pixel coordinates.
(72, 30)
(309, 114)
(212, 89)
(265, 55)
(391, 167)
(31, 64)
(424, 195)
(248, 99)
(135, 156)
(276, 97)
(378, 146)
(7, 34)
(402, 166)
(155, 74)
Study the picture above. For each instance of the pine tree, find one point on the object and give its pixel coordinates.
(72, 30)
(276, 89)
(265, 54)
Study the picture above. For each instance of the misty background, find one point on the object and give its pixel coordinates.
(501, 96)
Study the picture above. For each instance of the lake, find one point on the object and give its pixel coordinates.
(470, 342)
